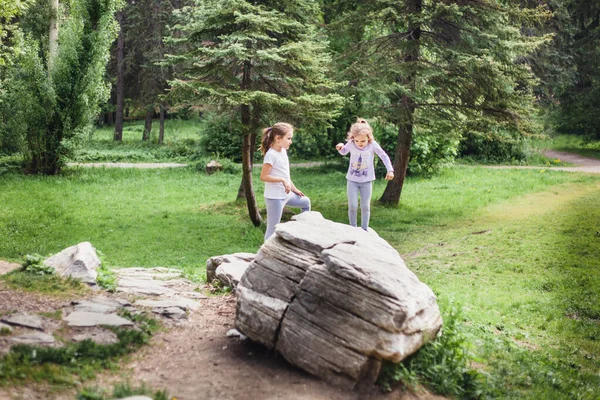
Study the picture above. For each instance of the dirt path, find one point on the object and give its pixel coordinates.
(198, 361)
(581, 163)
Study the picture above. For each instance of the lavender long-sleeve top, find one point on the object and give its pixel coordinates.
(362, 167)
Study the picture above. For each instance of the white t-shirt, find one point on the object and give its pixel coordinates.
(281, 169)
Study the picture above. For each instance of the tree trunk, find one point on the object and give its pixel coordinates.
(255, 121)
(248, 132)
(147, 124)
(161, 130)
(53, 34)
(406, 108)
(118, 136)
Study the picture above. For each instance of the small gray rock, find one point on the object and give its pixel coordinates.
(83, 318)
(33, 338)
(26, 320)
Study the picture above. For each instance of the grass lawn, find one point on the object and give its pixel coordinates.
(518, 250)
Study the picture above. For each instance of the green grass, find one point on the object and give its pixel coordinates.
(172, 218)
(518, 250)
(527, 275)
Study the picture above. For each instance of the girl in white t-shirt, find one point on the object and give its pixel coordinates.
(279, 188)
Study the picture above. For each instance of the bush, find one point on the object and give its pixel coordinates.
(222, 137)
(432, 147)
(495, 145)
(34, 264)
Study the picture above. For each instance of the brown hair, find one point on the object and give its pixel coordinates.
(278, 129)
(360, 127)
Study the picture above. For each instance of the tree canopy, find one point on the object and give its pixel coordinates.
(258, 61)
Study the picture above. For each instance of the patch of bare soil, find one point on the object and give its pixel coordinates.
(196, 360)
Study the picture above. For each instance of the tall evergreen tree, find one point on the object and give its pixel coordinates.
(446, 66)
(255, 59)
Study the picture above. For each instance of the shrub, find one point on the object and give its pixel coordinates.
(222, 136)
(432, 147)
(34, 264)
(494, 145)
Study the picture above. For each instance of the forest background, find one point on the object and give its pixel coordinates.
(484, 80)
(441, 81)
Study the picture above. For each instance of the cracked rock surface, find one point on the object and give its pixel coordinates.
(334, 300)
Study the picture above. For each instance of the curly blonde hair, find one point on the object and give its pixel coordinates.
(360, 127)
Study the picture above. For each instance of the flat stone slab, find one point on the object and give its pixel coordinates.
(135, 398)
(97, 335)
(170, 312)
(90, 306)
(144, 286)
(84, 318)
(180, 302)
(33, 338)
(193, 295)
(100, 304)
(26, 320)
(156, 271)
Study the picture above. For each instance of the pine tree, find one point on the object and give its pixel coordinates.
(446, 67)
(260, 61)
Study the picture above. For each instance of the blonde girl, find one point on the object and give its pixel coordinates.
(361, 170)
(279, 188)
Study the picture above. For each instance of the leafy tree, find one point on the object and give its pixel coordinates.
(10, 10)
(52, 104)
(446, 67)
(260, 60)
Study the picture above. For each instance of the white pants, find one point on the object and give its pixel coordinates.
(275, 209)
(366, 190)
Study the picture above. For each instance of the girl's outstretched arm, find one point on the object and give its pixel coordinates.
(342, 148)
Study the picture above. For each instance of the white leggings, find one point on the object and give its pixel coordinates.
(366, 190)
(275, 209)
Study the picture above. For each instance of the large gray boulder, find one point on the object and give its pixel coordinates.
(334, 300)
(79, 261)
